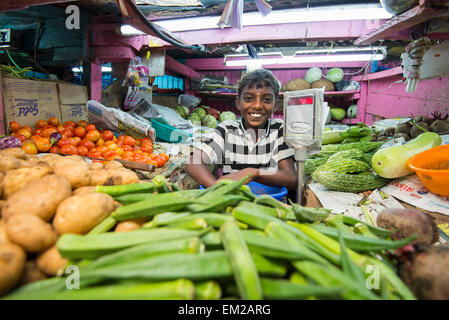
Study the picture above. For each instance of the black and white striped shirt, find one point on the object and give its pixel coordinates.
(235, 148)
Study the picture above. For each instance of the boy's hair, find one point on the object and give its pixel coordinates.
(258, 77)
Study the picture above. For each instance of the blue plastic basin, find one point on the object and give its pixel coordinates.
(258, 189)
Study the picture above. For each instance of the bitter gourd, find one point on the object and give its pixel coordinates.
(347, 182)
(330, 149)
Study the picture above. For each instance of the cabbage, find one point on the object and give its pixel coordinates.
(313, 74)
(209, 121)
(227, 115)
(195, 119)
(201, 112)
(180, 110)
(186, 110)
(335, 75)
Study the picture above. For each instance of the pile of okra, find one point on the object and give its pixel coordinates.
(223, 243)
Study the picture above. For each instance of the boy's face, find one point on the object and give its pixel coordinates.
(256, 105)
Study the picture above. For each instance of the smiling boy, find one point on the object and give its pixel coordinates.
(253, 145)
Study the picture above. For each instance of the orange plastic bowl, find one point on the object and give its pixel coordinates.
(432, 168)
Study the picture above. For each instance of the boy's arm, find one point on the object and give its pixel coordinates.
(284, 177)
(198, 171)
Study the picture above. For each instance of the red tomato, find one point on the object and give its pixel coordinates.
(24, 132)
(96, 154)
(29, 147)
(53, 121)
(60, 128)
(93, 135)
(47, 132)
(80, 132)
(14, 126)
(43, 144)
(21, 137)
(160, 160)
(108, 153)
(147, 147)
(62, 142)
(127, 148)
(82, 123)
(82, 150)
(90, 127)
(55, 149)
(69, 149)
(41, 124)
(130, 141)
(102, 148)
(100, 142)
(107, 135)
(75, 141)
(86, 143)
(68, 133)
(165, 156)
(70, 123)
(27, 128)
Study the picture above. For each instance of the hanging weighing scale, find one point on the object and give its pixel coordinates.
(303, 127)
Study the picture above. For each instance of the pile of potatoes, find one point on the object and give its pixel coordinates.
(42, 198)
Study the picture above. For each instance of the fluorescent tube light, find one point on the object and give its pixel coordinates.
(327, 13)
(127, 30)
(103, 69)
(307, 59)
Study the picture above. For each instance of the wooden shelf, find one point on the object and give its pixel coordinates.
(281, 94)
(427, 10)
(379, 75)
(350, 121)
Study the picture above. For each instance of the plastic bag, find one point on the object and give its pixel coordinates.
(137, 82)
(188, 101)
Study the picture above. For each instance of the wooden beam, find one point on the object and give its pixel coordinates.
(95, 81)
(312, 31)
(179, 68)
(7, 5)
(405, 20)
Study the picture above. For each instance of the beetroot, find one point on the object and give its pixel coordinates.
(406, 222)
(425, 272)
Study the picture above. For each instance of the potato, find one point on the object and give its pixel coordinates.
(50, 158)
(8, 162)
(12, 263)
(30, 232)
(130, 225)
(50, 261)
(40, 197)
(84, 190)
(17, 153)
(96, 166)
(74, 168)
(24, 163)
(3, 234)
(18, 178)
(113, 165)
(111, 177)
(81, 213)
(31, 273)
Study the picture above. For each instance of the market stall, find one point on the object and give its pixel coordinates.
(100, 120)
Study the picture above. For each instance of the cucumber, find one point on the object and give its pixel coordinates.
(392, 162)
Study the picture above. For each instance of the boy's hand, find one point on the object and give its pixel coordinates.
(241, 174)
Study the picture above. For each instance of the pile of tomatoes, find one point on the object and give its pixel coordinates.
(84, 139)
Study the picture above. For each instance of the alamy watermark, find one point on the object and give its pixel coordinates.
(73, 20)
(73, 279)
(373, 279)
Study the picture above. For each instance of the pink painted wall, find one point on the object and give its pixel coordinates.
(384, 102)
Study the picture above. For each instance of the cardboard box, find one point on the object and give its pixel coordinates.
(27, 101)
(72, 101)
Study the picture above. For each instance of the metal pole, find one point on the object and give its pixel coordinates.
(300, 186)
